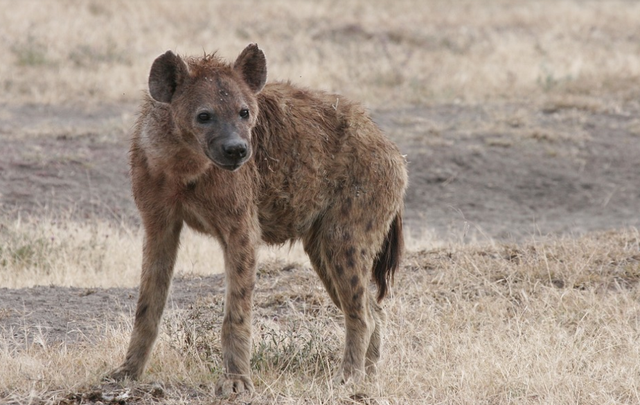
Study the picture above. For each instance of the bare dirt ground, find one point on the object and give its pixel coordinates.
(498, 171)
(501, 172)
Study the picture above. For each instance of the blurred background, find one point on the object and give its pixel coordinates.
(385, 53)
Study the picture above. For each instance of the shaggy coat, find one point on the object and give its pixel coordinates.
(217, 149)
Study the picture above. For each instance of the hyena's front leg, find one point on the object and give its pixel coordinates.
(159, 256)
(240, 272)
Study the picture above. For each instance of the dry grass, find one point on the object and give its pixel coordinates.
(382, 52)
(40, 251)
(48, 252)
(551, 321)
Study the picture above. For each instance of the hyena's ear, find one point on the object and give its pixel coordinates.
(167, 73)
(252, 66)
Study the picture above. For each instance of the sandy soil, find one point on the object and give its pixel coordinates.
(505, 172)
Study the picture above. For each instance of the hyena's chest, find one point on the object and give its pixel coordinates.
(213, 209)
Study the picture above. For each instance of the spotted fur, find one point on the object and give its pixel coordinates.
(248, 163)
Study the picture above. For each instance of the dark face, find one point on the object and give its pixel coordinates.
(213, 104)
(220, 113)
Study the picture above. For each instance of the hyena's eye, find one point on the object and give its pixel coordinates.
(204, 117)
(244, 113)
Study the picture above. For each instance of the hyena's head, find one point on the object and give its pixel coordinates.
(213, 104)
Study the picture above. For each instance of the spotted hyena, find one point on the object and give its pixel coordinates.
(217, 149)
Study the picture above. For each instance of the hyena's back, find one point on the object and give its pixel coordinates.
(323, 163)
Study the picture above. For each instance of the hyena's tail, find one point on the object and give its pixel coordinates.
(388, 259)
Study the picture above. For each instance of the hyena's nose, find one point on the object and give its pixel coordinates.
(235, 150)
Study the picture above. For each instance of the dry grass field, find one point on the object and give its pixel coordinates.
(382, 52)
(540, 322)
(495, 308)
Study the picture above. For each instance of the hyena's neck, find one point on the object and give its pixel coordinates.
(169, 152)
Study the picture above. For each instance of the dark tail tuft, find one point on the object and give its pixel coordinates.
(388, 259)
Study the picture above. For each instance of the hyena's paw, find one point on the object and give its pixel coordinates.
(233, 384)
(348, 376)
(371, 371)
(123, 372)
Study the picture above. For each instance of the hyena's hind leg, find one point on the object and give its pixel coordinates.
(386, 262)
(375, 344)
(345, 270)
(350, 273)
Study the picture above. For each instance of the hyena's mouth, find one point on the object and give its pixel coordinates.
(231, 168)
(224, 163)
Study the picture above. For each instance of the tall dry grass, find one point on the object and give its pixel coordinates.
(551, 322)
(381, 52)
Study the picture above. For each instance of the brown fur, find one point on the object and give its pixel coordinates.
(296, 165)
